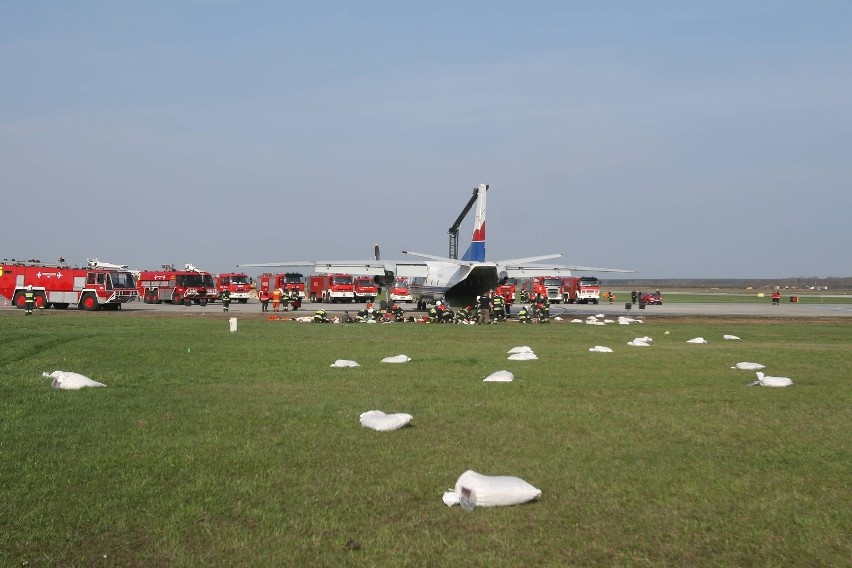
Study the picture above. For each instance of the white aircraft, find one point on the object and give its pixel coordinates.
(455, 281)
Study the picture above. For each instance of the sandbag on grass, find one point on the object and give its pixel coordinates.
(521, 349)
(344, 363)
(476, 490)
(67, 380)
(381, 422)
(600, 349)
(499, 377)
(696, 340)
(747, 366)
(397, 359)
(526, 356)
(729, 337)
(767, 381)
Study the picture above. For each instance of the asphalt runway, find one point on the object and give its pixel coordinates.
(677, 309)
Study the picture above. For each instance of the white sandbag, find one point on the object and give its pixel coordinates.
(767, 381)
(594, 322)
(600, 349)
(638, 343)
(557, 318)
(397, 359)
(475, 490)
(526, 356)
(67, 380)
(600, 316)
(728, 336)
(344, 363)
(576, 320)
(381, 422)
(696, 340)
(745, 365)
(522, 349)
(499, 377)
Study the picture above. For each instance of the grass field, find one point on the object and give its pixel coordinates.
(210, 447)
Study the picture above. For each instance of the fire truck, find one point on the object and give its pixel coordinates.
(289, 282)
(331, 288)
(98, 285)
(236, 283)
(507, 289)
(365, 289)
(168, 284)
(581, 289)
(548, 286)
(399, 291)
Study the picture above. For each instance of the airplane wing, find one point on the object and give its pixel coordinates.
(404, 268)
(530, 270)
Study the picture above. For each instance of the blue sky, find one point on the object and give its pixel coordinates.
(679, 139)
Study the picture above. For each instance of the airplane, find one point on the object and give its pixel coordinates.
(456, 282)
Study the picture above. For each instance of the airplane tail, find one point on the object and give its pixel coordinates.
(476, 250)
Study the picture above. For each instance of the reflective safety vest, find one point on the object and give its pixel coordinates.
(29, 297)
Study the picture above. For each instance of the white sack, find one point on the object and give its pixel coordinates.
(397, 359)
(344, 363)
(696, 340)
(575, 320)
(499, 377)
(381, 422)
(67, 380)
(767, 381)
(522, 349)
(638, 343)
(727, 336)
(475, 490)
(745, 365)
(526, 356)
(600, 349)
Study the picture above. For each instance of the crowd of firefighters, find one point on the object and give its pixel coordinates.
(281, 300)
(487, 309)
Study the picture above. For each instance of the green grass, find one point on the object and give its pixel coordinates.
(210, 447)
(743, 297)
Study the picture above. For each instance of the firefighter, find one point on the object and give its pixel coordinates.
(463, 315)
(320, 316)
(433, 314)
(446, 314)
(295, 300)
(276, 299)
(524, 297)
(524, 315)
(29, 300)
(226, 300)
(398, 314)
(285, 300)
(499, 306)
(264, 300)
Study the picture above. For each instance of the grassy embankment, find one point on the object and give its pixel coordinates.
(245, 448)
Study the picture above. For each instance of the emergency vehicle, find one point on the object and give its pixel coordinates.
(236, 283)
(365, 289)
(186, 286)
(59, 285)
(399, 291)
(331, 288)
(549, 287)
(507, 289)
(581, 289)
(289, 282)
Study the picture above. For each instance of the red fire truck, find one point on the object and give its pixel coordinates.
(289, 282)
(548, 286)
(507, 289)
(59, 285)
(399, 291)
(187, 286)
(331, 288)
(236, 283)
(581, 289)
(365, 289)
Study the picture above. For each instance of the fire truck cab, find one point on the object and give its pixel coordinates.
(236, 283)
(59, 285)
(289, 282)
(331, 288)
(399, 291)
(365, 289)
(581, 289)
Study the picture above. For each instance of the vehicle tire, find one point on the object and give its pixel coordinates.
(177, 299)
(187, 301)
(41, 301)
(202, 302)
(243, 300)
(595, 302)
(19, 301)
(155, 297)
(61, 306)
(89, 302)
(313, 297)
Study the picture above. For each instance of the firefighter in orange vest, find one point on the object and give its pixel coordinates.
(276, 299)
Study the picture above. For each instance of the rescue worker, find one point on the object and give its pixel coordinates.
(610, 297)
(295, 300)
(525, 297)
(484, 309)
(446, 314)
(321, 317)
(276, 299)
(463, 315)
(285, 300)
(29, 300)
(524, 315)
(499, 305)
(347, 318)
(226, 300)
(398, 313)
(776, 298)
(264, 300)
(433, 314)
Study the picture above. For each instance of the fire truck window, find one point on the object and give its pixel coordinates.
(101, 278)
(90, 278)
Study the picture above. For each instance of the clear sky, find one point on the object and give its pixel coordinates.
(680, 139)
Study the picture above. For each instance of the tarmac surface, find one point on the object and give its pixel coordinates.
(570, 311)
